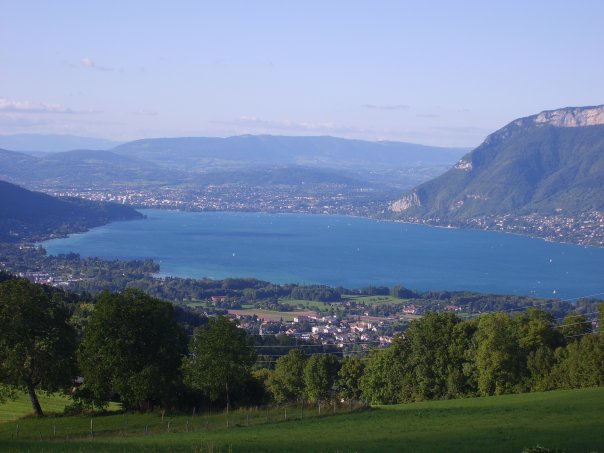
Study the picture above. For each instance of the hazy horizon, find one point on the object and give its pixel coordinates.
(433, 73)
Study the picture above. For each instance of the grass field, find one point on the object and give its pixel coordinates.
(52, 405)
(307, 304)
(271, 315)
(21, 406)
(376, 300)
(572, 420)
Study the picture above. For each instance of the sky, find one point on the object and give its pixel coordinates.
(443, 73)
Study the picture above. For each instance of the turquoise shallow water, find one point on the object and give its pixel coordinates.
(345, 251)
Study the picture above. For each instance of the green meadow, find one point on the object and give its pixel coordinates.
(572, 420)
(20, 406)
(376, 300)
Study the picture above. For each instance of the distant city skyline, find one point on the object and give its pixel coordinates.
(435, 72)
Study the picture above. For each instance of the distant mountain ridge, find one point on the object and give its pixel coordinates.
(194, 162)
(202, 153)
(83, 168)
(551, 162)
(47, 143)
(27, 215)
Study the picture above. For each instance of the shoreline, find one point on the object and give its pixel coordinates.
(357, 279)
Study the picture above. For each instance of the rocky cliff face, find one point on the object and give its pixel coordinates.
(565, 117)
(572, 117)
(551, 160)
(408, 201)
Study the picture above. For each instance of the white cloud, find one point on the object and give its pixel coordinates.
(386, 106)
(89, 63)
(267, 126)
(29, 107)
(145, 112)
(7, 105)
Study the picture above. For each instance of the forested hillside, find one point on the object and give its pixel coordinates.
(27, 215)
(551, 163)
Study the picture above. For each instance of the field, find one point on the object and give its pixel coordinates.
(307, 304)
(20, 406)
(271, 315)
(572, 420)
(376, 300)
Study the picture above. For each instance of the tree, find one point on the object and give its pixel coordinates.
(499, 363)
(386, 378)
(320, 373)
(536, 329)
(36, 342)
(132, 347)
(462, 379)
(538, 338)
(575, 326)
(287, 384)
(349, 378)
(221, 359)
(431, 360)
(581, 363)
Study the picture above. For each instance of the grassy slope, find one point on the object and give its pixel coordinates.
(21, 406)
(572, 420)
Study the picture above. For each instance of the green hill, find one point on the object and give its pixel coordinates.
(27, 215)
(548, 163)
(570, 420)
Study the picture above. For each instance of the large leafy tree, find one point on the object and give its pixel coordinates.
(500, 364)
(580, 364)
(432, 360)
(574, 326)
(220, 359)
(386, 379)
(132, 347)
(36, 342)
(349, 378)
(320, 374)
(287, 383)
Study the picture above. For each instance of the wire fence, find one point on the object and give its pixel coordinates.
(153, 424)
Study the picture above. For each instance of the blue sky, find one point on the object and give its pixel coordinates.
(433, 72)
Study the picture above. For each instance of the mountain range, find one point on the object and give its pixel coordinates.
(203, 153)
(51, 143)
(548, 163)
(198, 161)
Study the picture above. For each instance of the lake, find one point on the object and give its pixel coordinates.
(344, 251)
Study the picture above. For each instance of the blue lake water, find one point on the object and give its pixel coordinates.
(344, 251)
